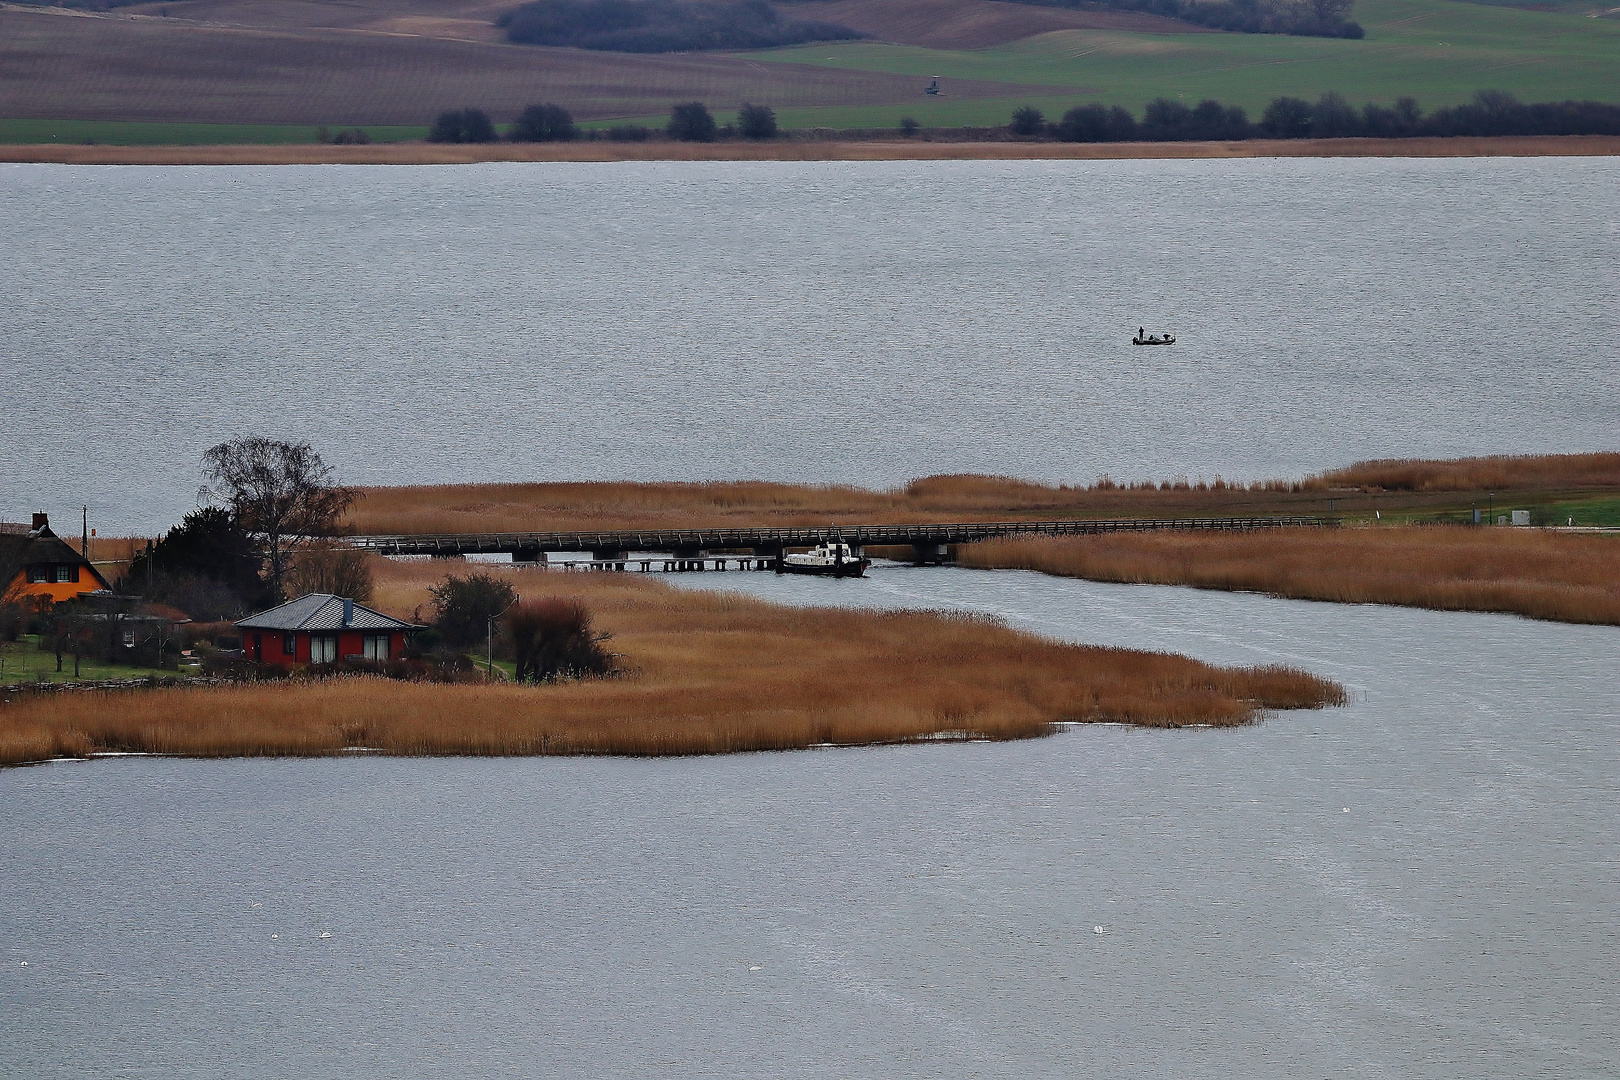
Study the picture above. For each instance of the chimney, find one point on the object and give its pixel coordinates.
(41, 521)
(348, 610)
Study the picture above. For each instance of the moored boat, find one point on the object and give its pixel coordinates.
(832, 559)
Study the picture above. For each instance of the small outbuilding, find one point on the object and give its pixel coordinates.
(322, 629)
(45, 564)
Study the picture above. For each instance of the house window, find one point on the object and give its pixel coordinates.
(65, 574)
(289, 645)
(323, 648)
(376, 647)
(39, 575)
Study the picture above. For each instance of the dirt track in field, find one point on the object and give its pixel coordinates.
(119, 66)
(807, 150)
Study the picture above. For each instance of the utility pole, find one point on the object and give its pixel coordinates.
(489, 645)
(84, 542)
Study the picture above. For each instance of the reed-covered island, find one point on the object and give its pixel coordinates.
(1556, 486)
(699, 673)
(694, 672)
(1402, 537)
(1537, 574)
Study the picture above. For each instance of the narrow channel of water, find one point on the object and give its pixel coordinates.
(1422, 884)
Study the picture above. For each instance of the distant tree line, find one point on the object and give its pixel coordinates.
(688, 122)
(1303, 18)
(661, 26)
(1331, 116)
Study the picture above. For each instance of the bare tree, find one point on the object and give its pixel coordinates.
(323, 568)
(280, 491)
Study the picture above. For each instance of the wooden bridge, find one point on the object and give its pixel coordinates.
(928, 541)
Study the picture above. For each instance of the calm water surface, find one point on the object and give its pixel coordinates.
(1423, 884)
(823, 321)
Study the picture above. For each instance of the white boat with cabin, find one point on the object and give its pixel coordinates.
(832, 559)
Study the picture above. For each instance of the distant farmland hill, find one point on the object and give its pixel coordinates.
(398, 63)
(663, 26)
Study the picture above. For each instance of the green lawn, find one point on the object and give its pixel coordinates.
(22, 661)
(506, 669)
(1438, 51)
(1545, 509)
(1604, 511)
(142, 133)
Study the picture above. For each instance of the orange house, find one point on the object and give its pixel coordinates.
(47, 566)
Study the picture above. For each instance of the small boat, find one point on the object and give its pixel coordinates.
(1153, 337)
(832, 559)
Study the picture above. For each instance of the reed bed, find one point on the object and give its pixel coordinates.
(1542, 575)
(1500, 472)
(1360, 488)
(705, 673)
(585, 506)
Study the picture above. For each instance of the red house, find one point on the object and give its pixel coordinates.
(322, 629)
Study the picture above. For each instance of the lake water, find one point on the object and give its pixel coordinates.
(1423, 884)
(820, 321)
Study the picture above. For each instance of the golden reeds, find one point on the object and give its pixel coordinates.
(1542, 575)
(1387, 486)
(585, 506)
(1500, 473)
(705, 673)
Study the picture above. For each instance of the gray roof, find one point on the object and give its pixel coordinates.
(322, 611)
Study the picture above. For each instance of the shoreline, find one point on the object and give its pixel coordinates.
(699, 672)
(1533, 573)
(789, 150)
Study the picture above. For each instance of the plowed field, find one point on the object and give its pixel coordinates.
(124, 67)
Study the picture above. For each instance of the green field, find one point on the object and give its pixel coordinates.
(1438, 51)
(140, 133)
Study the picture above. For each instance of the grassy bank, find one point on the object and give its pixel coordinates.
(706, 673)
(1401, 488)
(1541, 575)
(419, 153)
